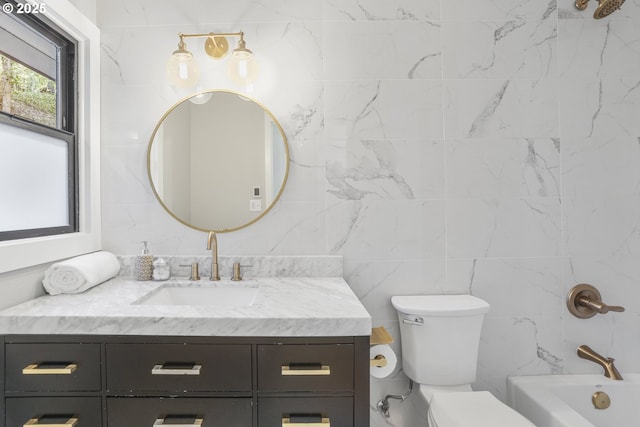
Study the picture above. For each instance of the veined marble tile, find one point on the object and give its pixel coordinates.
(482, 228)
(512, 286)
(497, 10)
(299, 107)
(382, 50)
(375, 282)
(126, 165)
(396, 169)
(137, 112)
(600, 108)
(501, 167)
(306, 180)
(381, 10)
(377, 230)
(123, 50)
(599, 49)
(501, 108)
(602, 226)
(533, 345)
(505, 49)
(600, 167)
(388, 109)
(295, 228)
(122, 13)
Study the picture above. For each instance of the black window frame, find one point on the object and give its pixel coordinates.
(66, 118)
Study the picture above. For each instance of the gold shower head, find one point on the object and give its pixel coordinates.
(605, 7)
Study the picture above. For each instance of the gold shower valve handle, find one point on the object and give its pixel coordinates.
(599, 306)
(584, 301)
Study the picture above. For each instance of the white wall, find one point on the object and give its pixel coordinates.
(483, 146)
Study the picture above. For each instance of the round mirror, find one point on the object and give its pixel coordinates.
(218, 161)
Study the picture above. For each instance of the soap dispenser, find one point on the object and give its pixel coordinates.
(144, 264)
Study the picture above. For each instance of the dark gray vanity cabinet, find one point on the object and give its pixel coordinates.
(144, 381)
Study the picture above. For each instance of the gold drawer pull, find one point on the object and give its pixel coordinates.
(313, 422)
(50, 368)
(176, 369)
(179, 421)
(50, 421)
(293, 369)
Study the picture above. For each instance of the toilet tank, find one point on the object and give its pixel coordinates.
(440, 335)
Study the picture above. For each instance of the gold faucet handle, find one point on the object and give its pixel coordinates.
(584, 301)
(236, 272)
(194, 271)
(599, 306)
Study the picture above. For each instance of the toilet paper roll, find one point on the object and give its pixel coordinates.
(387, 352)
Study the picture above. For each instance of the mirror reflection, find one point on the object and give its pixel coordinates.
(218, 161)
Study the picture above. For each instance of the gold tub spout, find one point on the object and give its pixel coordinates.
(610, 371)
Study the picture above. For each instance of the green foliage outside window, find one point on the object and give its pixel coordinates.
(26, 93)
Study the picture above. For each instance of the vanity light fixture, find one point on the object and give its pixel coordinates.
(183, 70)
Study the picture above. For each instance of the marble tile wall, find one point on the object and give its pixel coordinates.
(482, 146)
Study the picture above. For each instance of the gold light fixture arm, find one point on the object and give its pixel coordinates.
(188, 36)
(216, 44)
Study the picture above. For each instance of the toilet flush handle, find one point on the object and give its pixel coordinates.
(412, 320)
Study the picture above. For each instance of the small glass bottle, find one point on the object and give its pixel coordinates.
(161, 270)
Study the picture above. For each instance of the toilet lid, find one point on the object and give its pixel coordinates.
(472, 409)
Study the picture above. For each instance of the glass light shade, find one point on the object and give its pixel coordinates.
(201, 98)
(182, 69)
(242, 68)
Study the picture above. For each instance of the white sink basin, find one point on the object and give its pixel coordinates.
(213, 296)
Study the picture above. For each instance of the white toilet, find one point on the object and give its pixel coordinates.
(440, 335)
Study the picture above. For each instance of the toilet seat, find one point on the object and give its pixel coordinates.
(472, 409)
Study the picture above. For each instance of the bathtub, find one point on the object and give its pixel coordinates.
(566, 400)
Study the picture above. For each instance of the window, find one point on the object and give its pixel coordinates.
(38, 135)
(75, 136)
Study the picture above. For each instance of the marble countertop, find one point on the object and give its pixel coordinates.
(284, 306)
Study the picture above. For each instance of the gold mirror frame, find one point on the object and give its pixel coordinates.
(259, 215)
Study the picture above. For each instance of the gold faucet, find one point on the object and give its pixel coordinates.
(212, 245)
(610, 371)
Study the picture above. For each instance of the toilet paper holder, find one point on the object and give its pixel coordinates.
(379, 335)
(379, 361)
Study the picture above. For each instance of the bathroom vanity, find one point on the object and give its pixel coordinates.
(297, 356)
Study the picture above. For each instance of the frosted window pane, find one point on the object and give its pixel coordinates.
(33, 180)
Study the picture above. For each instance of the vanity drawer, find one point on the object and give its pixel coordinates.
(313, 367)
(45, 410)
(52, 367)
(178, 367)
(150, 412)
(298, 411)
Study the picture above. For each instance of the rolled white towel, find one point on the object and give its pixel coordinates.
(78, 274)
